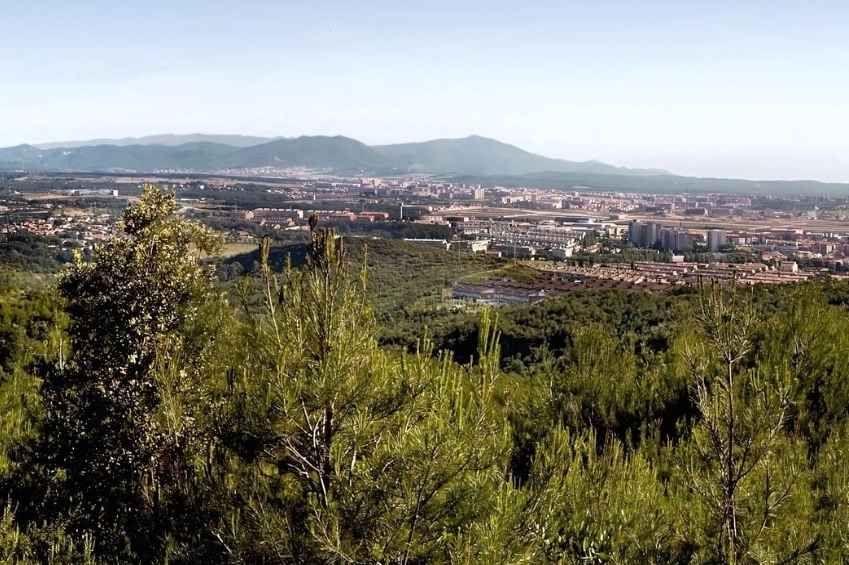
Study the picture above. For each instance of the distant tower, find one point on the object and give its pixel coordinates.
(402, 211)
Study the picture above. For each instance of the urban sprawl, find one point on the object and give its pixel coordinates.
(578, 239)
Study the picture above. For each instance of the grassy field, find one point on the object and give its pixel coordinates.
(235, 249)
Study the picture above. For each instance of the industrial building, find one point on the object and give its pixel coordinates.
(716, 240)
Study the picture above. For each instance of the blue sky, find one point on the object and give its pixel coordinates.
(746, 89)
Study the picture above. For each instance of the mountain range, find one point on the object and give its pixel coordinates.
(471, 160)
(474, 155)
(167, 139)
(657, 184)
(481, 156)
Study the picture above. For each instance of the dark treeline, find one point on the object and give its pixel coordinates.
(33, 253)
(388, 230)
(649, 320)
(150, 417)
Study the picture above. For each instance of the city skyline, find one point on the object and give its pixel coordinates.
(742, 90)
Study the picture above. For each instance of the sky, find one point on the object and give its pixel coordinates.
(744, 89)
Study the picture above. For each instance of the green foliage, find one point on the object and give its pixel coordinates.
(392, 230)
(149, 419)
(516, 272)
(362, 452)
(31, 332)
(647, 320)
(745, 471)
(104, 461)
(599, 505)
(406, 281)
(33, 253)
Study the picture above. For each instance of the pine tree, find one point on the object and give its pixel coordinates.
(747, 474)
(366, 456)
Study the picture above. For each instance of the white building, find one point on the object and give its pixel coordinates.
(476, 246)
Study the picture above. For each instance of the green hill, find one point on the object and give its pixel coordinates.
(472, 160)
(656, 184)
(166, 139)
(19, 153)
(338, 153)
(403, 278)
(317, 152)
(203, 153)
(481, 156)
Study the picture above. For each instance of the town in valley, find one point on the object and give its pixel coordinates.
(579, 239)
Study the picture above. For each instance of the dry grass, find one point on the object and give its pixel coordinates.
(234, 249)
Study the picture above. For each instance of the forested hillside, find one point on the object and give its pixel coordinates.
(33, 253)
(152, 416)
(404, 279)
(475, 155)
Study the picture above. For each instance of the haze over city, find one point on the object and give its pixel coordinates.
(727, 89)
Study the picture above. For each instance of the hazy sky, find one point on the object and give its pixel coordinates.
(714, 88)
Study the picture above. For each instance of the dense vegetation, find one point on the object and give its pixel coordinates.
(527, 333)
(33, 253)
(405, 279)
(151, 418)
